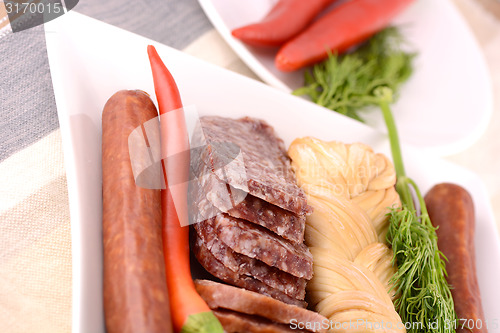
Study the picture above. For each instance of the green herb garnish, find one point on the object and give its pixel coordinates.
(420, 280)
(346, 83)
(202, 322)
(371, 76)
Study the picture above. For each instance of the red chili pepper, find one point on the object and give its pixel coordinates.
(189, 311)
(343, 27)
(285, 20)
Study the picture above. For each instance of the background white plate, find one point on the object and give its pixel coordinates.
(443, 108)
(90, 60)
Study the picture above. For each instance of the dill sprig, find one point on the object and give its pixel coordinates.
(346, 83)
(420, 280)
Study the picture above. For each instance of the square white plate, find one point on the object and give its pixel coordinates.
(90, 60)
(443, 108)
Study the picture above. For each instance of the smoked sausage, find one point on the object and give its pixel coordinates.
(451, 209)
(135, 293)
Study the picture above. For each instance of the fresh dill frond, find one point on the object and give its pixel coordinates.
(420, 281)
(346, 83)
(425, 296)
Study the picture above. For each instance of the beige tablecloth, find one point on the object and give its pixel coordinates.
(35, 244)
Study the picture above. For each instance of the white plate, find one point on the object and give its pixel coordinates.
(90, 60)
(444, 107)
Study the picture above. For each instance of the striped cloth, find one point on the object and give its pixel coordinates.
(35, 243)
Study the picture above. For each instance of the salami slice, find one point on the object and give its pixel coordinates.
(244, 265)
(282, 222)
(256, 242)
(236, 322)
(210, 197)
(222, 296)
(217, 269)
(262, 168)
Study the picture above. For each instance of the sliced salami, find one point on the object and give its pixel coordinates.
(259, 243)
(282, 222)
(261, 167)
(217, 269)
(244, 265)
(210, 197)
(222, 296)
(236, 322)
